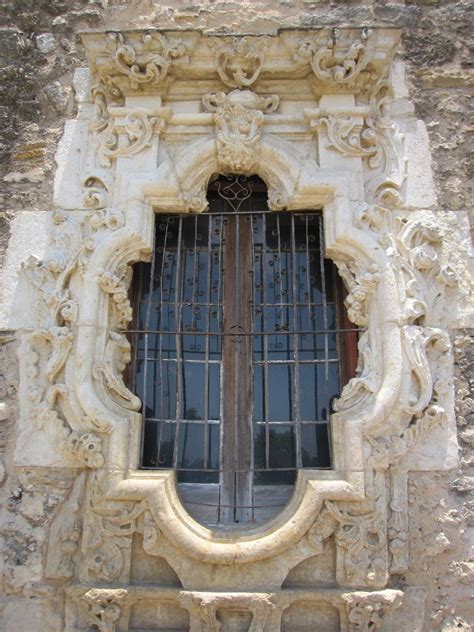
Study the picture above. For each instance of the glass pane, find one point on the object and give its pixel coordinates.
(258, 393)
(315, 445)
(282, 455)
(282, 446)
(158, 444)
(315, 391)
(193, 376)
(281, 392)
(214, 391)
(160, 388)
(259, 446)
(214, 446)
(191, 445)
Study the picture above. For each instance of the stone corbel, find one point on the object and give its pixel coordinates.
(101, 607)
(203, 607)
(337, 59)
(128, 62)
(127, 131)
(238, 117)
(368, 612)
(239, 60)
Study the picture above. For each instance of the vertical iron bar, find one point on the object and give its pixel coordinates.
(237, 411)
(206, 342)
(252, 338)
(220, 317)
(265, 346)
(177, 317)
(325, 326)
(145, 368)
(294, 262)
(160, 344)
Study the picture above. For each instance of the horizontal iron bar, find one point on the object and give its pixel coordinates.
(242, 333)
(218, 505)
(308, 422)
(218, 471)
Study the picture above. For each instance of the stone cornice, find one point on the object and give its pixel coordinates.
(149, 61)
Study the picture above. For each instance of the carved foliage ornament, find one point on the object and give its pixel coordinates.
(69, 430)
(125, 138)
(239, 60)
(149, 66)
(238, 117)
(367, 612)
(335, 63)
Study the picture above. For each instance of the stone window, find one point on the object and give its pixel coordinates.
(321, 117)
(240, 346)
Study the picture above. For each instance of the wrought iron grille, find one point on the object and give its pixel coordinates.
(240, 347)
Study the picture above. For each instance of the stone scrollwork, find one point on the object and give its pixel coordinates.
(367, 612)
(361, 285)
(102, 607)
(363, 387)
(238, 117)
(127, 138)
(151, 64)
(239, 60)
(117, 286)
(330, 61)
(117, 356)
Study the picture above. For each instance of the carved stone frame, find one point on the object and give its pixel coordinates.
(141, 158)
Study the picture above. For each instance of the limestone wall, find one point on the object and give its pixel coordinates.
(40, 50)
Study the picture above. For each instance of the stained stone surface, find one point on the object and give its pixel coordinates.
(39, 52)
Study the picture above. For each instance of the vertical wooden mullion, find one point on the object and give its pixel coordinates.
(236, 476)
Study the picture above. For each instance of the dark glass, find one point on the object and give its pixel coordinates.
(193, 379)
(315, 445)
(281, 389)
(296, 375)
(158, 444)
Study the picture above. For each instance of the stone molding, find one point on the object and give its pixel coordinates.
(138, 158)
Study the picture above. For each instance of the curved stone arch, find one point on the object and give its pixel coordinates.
(346, 243)
(279, 165)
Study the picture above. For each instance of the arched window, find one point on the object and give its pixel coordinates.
(240, 346)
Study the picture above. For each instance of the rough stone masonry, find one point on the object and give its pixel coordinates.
(40, 51)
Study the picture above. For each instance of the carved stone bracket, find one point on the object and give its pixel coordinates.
(239, 60)
(333, 62)
(367, 612)
(238, 117)
(203, 608)
(101, 607)
(143, 60)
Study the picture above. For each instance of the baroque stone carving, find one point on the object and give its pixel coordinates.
(203, 607)
(239, 60)
(238, 117)
(367, 612)
(126, 137)
(102, 607)
(65, 533)
(330, 62)
(361, 285)
(388, 255)
(149, 66)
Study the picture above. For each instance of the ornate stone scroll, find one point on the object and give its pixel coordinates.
(238, 117)
(239, 60)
